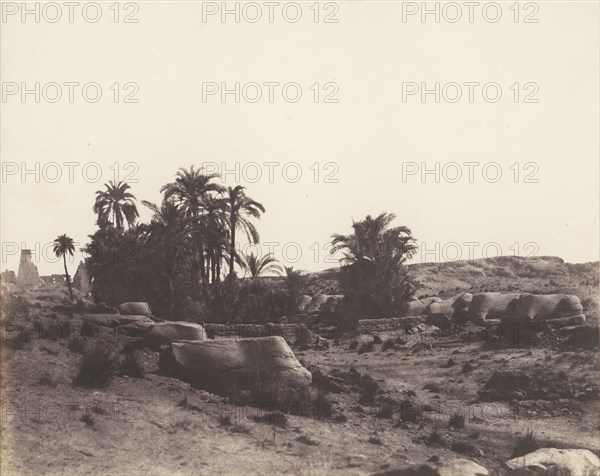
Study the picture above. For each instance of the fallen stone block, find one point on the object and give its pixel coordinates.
(135, 308)
(452, 467)
(167, 332)
(491, 305)
(574, 462)
(134, 329)
(105, 320)
(539, 307)
(216, 365)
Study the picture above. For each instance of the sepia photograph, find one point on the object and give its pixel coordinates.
(354, 237)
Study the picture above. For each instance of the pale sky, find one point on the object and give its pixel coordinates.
(365, 140)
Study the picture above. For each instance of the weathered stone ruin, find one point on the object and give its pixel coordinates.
(294, 334)
(8, 277)
(167, 332)
(135, 309)
(213, 364)
(82, 279)
(28, 276)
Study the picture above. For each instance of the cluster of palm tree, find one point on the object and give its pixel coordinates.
(189, 246)
(190, 240)
(373, 240)
(374, 279)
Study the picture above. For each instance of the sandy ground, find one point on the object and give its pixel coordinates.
(140, 425)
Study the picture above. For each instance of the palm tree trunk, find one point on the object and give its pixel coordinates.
(202, 263)
(203, 271)
(213, 266)
(232, 248)
(195, 281)
(68, 277)
(218, 264)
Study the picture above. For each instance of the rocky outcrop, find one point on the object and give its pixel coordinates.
(217, 365)
(572, 462)
(135, 309)
(167, 332)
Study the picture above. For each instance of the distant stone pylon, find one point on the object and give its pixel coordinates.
(28, 276)
(82, 279)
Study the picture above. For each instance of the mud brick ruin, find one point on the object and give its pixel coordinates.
(28, 276)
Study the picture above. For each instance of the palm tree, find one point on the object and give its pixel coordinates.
(63, 245)
(168, 242)
(257, 266)
(240, 208)
(217, 235)
(363, 243)
(115, 205)
(374, 278)
(191, 191)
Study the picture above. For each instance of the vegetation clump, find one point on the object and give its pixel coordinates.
(526, 444)
(97, 369)
(457, 421)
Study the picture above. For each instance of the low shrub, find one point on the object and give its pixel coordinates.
(225, 420)
(388, 344)
(96, 369)
(457, 421)
(238, 428)
(88, 419)
(46, 379)
(468, 367)
(400, 341)
(272, 418)
(450, 363)
(77, 344)
(463, 447)
(526, 444)
(385, 411)
(366, 347)
(19, 341)
(15, 307)
(435, 439)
